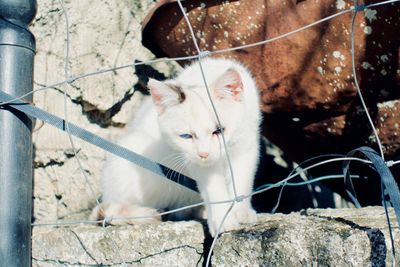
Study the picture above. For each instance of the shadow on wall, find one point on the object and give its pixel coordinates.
(273, 168)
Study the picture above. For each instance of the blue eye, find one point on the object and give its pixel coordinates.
(186, 136)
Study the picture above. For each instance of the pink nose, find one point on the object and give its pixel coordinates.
(203, 155)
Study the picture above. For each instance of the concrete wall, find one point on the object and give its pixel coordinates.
(336, 237)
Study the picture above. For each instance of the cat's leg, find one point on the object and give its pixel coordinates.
(214, 189)
(120, 214)
(125, 194)
(244, 168)
(200, 213)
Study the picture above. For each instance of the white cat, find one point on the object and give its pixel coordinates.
(178, 128)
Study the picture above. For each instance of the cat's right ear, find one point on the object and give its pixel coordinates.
(164, 95)
(229, 85)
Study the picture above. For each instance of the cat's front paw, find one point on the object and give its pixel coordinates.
(239, 214)
(121, 214)
(229, 224)
(245, 215)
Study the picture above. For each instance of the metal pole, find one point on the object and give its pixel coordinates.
(17, 49)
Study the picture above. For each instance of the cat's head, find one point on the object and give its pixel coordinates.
(187, 119)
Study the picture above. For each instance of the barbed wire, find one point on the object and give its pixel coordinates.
(69, 79)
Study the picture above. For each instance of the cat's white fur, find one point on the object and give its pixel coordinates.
(156, 130)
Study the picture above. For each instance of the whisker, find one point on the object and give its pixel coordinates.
(174, 163)
(181, 168)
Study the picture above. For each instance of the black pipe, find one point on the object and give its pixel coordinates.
(17, 49)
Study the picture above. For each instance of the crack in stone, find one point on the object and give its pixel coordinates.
(163, 252)
(83, 246)
(237, 252)
(117, 263)
(63, 262)
(55, 162)
(52, 162)
(103, 118)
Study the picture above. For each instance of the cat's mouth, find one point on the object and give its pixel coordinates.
(204, 162)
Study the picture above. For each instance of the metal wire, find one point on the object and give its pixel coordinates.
(66, 73)
(200, 57)
(69, 79)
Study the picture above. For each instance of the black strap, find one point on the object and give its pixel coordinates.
(388, 183)
(98, 141)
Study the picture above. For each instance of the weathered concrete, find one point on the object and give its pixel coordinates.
(345, 237)
(342, 237)
(167, 244)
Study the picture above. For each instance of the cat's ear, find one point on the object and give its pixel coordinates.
(229, 85)
(164, 94)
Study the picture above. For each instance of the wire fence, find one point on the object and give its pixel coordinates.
(70, 79)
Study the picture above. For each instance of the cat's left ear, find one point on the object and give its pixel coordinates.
(165, 95)
(229, 85)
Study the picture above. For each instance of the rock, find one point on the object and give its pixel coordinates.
(312, 237)
(167, 244)
(308, 95)
(333, 237)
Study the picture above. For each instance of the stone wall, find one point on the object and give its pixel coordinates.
(335, 237)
